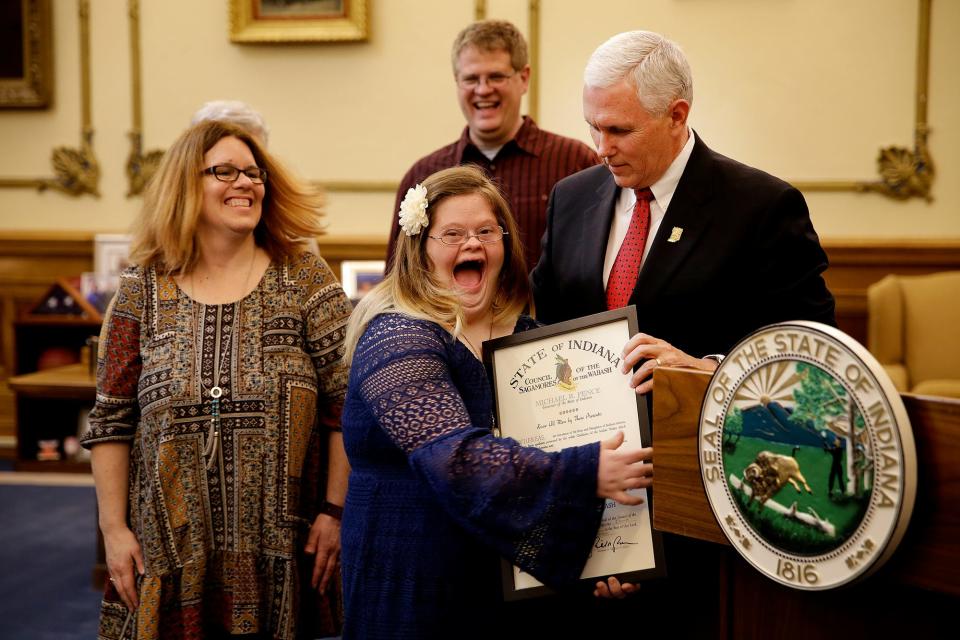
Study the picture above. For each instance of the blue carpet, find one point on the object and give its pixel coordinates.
(47, 554)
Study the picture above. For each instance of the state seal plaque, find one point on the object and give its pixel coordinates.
(807, 456)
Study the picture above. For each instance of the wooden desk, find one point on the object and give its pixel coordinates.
(48, 407)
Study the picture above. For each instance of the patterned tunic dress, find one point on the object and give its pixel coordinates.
(434, 498)
(221, 513)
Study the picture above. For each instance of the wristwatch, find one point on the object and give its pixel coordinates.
(332, 510)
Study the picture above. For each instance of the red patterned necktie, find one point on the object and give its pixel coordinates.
(626, 268)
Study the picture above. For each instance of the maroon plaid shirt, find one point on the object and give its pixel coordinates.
(525, 169)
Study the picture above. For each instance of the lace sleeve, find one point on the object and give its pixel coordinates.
(537, 509)
(117, 411)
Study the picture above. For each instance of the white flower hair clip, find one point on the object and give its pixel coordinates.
(413, 210)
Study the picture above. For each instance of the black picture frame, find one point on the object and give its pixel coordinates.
(552, 333)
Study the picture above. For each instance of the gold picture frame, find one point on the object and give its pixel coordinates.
(26, 75)
(281, 21)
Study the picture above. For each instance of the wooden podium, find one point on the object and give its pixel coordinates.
(917, 591)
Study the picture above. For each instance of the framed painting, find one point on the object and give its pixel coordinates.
(272, 21)
(26, 54)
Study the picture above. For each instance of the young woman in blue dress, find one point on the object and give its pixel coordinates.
(433, 496)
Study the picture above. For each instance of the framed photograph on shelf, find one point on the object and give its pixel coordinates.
(111, 252)
(359, 276)
(26, 55)
(272, 21)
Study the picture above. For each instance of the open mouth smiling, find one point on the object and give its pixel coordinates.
(486, 105)
(469, 274)
(239, 202)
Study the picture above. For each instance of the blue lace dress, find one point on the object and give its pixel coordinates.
(434, 498)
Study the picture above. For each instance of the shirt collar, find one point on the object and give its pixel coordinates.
(529, 139)
(664, 188)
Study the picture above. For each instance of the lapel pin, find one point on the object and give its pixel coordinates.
(675, 234)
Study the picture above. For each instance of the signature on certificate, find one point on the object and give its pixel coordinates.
(605, 544)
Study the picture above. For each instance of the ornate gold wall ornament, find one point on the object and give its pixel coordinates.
(77, 170)
(140, 166)
(904, 173)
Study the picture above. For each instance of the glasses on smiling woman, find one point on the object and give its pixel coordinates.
(230, 173)
(486, 235)
(493, 80)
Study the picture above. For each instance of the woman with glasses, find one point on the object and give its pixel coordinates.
(215, 437)
(433, 496)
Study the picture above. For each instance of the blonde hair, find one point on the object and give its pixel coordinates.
(412, 288)
(491, 35)
(164, 232)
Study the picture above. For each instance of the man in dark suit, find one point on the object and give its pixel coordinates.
(714, 250)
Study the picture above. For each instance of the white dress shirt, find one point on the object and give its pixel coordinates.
(663, 190)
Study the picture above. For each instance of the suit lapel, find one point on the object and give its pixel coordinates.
(690, 210)
(595, 229)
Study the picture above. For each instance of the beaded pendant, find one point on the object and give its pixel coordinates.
(213, 437)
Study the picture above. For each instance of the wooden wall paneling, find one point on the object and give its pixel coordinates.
(855, 265)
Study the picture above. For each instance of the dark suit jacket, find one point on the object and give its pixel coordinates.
(748, 256)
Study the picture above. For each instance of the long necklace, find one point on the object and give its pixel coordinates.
(212, 450)
(473, 347)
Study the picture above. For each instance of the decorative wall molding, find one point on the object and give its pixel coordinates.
(77, 171)
(479, 10)
(533, 48)
(904, 173)
(140, 166)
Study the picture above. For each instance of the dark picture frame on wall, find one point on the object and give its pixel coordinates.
(26, 54)
(279, 21)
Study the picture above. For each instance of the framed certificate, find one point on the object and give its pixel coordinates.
(560, 386)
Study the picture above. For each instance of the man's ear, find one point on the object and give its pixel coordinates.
(678, 111)
(525, 77)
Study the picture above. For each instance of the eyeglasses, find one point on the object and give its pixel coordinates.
(493, 80)
(486, 235)
(230, 173)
